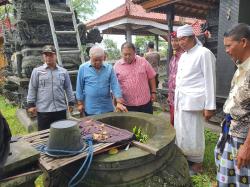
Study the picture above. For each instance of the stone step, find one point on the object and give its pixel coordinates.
(61, 12)
(70, 52)
(65, 32)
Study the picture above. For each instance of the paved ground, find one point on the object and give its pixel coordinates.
(212, 126)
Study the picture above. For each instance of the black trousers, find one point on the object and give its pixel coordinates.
(147, 108)
(44, 119)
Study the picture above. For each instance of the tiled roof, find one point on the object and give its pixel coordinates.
(131, 10)
(128, 9)
(3, 2)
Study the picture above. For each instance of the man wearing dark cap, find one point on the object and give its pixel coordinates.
(47, 87)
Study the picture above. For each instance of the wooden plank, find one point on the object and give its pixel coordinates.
(56, 163)
(35, 134)
(51, 163)
(152, 4)
(145, 147)
(38, 172)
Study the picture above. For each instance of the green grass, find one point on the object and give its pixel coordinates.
(208, 177)
(9, 112)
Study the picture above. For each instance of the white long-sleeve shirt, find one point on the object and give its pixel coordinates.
(195, 80)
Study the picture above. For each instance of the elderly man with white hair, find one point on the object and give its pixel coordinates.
(194, 96)
(95, 81)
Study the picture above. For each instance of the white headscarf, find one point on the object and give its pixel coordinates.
(187, 30)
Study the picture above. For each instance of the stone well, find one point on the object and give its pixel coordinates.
(135, 167)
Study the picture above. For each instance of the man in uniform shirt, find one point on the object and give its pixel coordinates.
(194, 96)
(47, 87)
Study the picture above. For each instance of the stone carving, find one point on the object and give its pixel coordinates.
(32, 31)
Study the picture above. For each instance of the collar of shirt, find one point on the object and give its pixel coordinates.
(245, 65)
(124, 62)
(45, 66)
(104, 65)
(192, 49)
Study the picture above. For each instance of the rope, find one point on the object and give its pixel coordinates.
(57, 152)
(81, 173)
(85, 166)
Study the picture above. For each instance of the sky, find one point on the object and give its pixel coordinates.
(105, 6)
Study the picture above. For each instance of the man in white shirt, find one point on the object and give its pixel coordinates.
(195, 100)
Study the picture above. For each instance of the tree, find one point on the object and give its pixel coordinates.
(111, 48)
(84, 8)
(141, 43)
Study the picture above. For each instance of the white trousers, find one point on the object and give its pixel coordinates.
(190, 136)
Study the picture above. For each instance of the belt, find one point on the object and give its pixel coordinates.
(225, 126)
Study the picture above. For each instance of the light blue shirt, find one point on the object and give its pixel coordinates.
(94, 88)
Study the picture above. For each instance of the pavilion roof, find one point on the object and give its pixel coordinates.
(134, 11)
(186, 8)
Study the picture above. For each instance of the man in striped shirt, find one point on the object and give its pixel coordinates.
(137, 80)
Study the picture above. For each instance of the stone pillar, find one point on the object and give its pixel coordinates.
(128, 33)
(157, 42)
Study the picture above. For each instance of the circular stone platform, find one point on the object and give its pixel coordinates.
(135, 167)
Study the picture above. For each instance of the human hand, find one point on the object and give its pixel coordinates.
(80, 107)
(153, 97)
(243, 156)
(32, 111)
(207, 114)
(120, 108)
(70, 109)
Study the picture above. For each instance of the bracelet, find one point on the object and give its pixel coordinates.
(153, 92)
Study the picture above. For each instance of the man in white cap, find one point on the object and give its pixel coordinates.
(194, 96)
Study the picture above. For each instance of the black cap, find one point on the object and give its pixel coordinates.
(49, 49)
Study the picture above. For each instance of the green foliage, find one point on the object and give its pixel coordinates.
(140, 136)
(207, 178)
(142, 41)
(9, 112)
(201, 180)
(111, 48)
(6, 11)
(84, 8)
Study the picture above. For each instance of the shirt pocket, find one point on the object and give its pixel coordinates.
(61, 79)
(44, 81)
